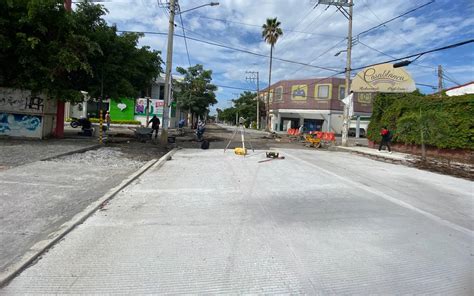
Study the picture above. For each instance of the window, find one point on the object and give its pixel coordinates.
(162, 92)
(364, 98)
(342, 92)
(323, 91)
(279, 93)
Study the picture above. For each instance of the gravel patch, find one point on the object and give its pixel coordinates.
(107, 156)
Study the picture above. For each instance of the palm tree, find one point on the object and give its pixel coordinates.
(271, 32)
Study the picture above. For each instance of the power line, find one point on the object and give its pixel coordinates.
(234, 87)
(325, 52)
(184, 36)
(397, 34)
(450, 78)
(260, 26)
(420, 53)
(251, 52)
(337, 72)
(397, 17)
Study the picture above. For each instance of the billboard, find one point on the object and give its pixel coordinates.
(155, 107)
(383, 78)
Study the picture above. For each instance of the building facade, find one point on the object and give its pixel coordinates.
(314, 103)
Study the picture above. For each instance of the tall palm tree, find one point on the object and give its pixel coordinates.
(270, 33)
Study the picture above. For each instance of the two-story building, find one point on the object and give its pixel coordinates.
(314, 103)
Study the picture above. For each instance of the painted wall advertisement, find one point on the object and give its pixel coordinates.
(383, 78)
(23, 114)
(155, 107)
(299, 92)
(122, 109)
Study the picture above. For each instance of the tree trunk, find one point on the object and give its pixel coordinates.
(268, 94)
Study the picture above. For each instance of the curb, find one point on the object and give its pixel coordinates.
(405, 161)
(42, 246)
(72, 152)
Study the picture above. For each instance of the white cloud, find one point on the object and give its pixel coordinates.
(438, 24)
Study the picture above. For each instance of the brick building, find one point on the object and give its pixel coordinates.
(314, 103)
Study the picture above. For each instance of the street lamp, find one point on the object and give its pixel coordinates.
(339, 52)
(169, 61)
(208, 4)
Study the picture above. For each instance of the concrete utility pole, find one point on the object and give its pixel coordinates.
(254, 75)
(440, 79)
(346, 120)
(169, 61)
(341, 6)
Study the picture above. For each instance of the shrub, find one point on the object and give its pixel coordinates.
(96, 120)
(445, 122)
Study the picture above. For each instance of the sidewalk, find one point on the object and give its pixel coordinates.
(395, 157)
(38, 198)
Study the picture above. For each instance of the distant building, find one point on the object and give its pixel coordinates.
(460, 90)
(314, 103)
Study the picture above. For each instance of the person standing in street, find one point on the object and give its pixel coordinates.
(107, 119)
(386, 138)
(155, 125)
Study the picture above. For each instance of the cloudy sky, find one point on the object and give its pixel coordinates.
(311, 35)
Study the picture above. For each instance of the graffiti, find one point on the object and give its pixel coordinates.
(34, 103)
(20, 125)
(18, 100)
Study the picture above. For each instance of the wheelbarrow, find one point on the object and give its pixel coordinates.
(143, 133)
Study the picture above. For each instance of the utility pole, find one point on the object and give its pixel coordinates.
(440, 80)
(254, 75)
(341, 6)
(169, 61)
(345, 125)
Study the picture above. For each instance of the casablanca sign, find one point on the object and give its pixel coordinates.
(383, 78)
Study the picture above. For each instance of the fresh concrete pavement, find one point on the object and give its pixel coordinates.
(37, 198)
(315, 222)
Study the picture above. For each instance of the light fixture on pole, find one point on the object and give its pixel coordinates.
(208, 4)
(339, 52)
(169, 61)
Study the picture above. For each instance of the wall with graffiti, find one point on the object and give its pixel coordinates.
(20, 125)
(23, 114)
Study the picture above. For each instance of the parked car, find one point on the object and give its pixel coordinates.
(352, 132)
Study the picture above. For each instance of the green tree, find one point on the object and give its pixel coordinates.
(246, 106)
(228, 115)
(44, 48)
(40, 49)
(121, 68)
(195, 92)
(270, 33)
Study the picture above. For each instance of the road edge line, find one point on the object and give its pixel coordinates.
(41, 247)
